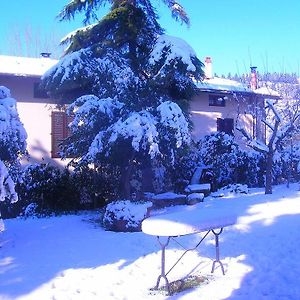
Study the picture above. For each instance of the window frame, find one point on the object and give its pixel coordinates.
(214, 100)
(225, 125)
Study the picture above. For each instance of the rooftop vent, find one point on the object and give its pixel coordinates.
(45, 54)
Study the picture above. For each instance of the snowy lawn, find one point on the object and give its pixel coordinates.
(72, 257)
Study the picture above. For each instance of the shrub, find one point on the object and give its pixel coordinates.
(52, 190)
(45, 190)
(229, 164)
(125, 215)
(185, 165)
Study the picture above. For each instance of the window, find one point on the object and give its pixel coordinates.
(216, 100)
(59, 131)
(225, 125)
(38, 92)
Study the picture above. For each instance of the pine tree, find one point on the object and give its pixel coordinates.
(129, 85)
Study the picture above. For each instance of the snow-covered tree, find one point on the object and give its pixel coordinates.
(12, 143)
(129, 86)
(279, 127)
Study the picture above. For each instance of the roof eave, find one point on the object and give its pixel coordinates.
(20, 75)
(243, 93)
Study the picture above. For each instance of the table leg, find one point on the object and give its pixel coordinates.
(217, 260)
(163, 264)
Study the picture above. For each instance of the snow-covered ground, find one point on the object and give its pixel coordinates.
(72, 257)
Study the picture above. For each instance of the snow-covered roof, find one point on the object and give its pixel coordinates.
(25, 66)
(266, 91)
(222, 85)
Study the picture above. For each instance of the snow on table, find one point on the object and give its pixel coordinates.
(189, 220)
(198, 187)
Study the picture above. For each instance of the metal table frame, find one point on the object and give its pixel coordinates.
(163, 245)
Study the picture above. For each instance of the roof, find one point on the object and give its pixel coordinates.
(218, 84)
(25, 66)
(228, 86)
(266, 91)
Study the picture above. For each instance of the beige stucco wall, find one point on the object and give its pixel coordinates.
(35, 114)
(36, 118)
(204, 117)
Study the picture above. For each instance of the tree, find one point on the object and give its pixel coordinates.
(12, 145)
(281, 120)
(129, 85)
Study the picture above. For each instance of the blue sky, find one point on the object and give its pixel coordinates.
(235, 33)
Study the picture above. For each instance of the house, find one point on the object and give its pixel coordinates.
(22, 76)
(222, 105)
(218, 105)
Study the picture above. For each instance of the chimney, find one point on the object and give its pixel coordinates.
(253, 78)
(45, 54)
(208, 67)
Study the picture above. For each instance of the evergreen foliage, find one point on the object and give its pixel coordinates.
(129, 85)
(12, 145)
(228, 163)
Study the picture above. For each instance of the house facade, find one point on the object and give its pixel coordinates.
(223, 105)
(220, 105)
(22, 76)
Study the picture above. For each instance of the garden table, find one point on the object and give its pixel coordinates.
(189, 220)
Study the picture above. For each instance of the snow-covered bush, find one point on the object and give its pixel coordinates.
(185, 165)
(12, 133)
(286, 163)
(125, 215)
(12, 144)
(7, 189)
(31, 210)
(53, 191)
(228, 163)
(231, 189)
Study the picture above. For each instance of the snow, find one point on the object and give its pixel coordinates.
(222, 84)
(191, 219)
(72, 257)
(73, 33)
(142, 127)
(195, 196)
(266, 91)
(7, 186)
(198, 187)
(167, 195)
(11, 128)
(258, 145)
(228, 85)
(25, 66)
(176, 48)
(126, 210)
(172, 116)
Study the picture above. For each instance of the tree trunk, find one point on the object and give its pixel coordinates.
(269, 177)
(125, 182)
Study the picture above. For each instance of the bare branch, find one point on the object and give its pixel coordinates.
(254, 144)
(268, 124)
